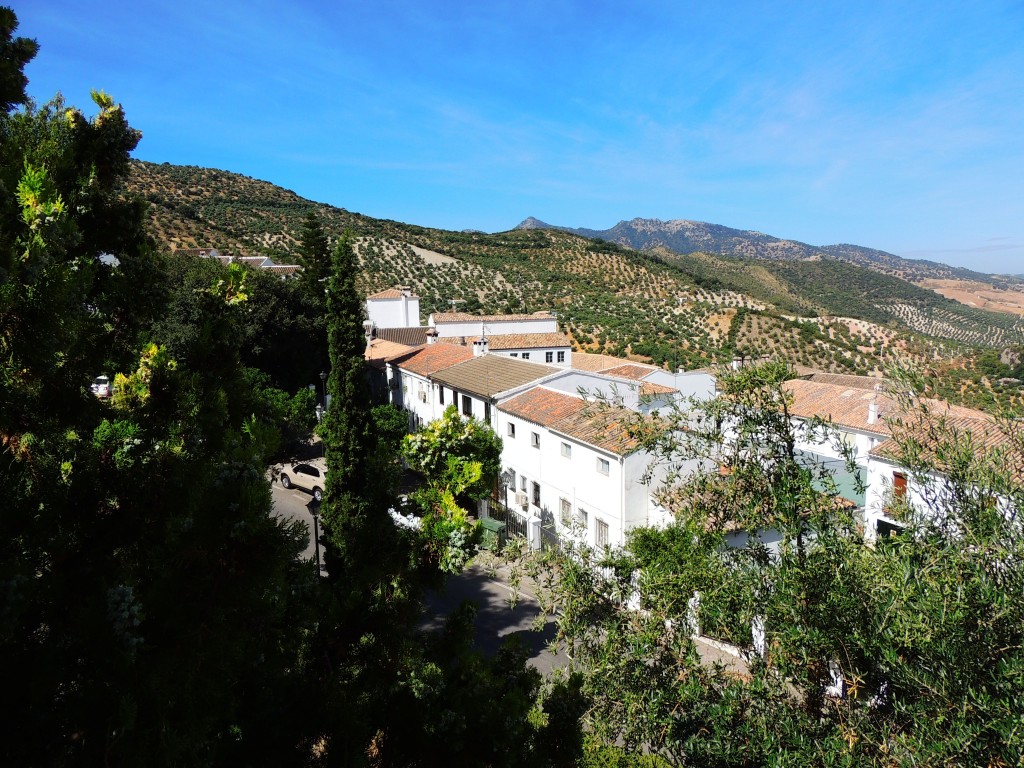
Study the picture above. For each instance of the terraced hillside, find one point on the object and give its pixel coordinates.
(671, 309)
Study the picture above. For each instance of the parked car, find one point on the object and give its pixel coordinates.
(101, 387)
(307, 475)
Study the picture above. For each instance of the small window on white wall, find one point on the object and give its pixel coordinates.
(582, 521)
(526, 355)
(603, 466)
(567, 450)
(561, 357)
(549, 357)
(602, 533)
(535, 439)
(511, 430)
(565, 512)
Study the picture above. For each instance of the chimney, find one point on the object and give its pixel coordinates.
(431, 336)
(481, 345)
(873, 405)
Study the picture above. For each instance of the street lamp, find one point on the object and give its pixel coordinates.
(506, 480)
(314, 510)
(323, 383)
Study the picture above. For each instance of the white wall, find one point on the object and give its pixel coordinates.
(539, 355)
(402, 312)
(618, 499)
(495, 328)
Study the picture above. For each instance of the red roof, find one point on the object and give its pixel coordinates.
(602, 426)
(432, 358)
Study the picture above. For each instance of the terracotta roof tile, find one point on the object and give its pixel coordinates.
(390, 293)
(599, 426)
(430, 359)
(844, 406)
(634, 371)
(651, 388)
(381, 350)
(411, 337)
(523, 340)
(594, 363)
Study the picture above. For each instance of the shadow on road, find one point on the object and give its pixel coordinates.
(497, 619)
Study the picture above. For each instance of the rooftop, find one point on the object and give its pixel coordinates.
(504, 341)
(391, 293)
(464, 317)
(487, 375)
(601, 426)
(431, 358)
(414, 336)
(634, 371)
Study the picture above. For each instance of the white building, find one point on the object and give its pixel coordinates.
(574, 464)
(393, 308)
(463, 324)
(412, 390)
(548, 348)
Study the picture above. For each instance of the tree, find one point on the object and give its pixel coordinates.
(315, 252)
(15, 53)
(145, 582)
(460, 460)
(920, 634)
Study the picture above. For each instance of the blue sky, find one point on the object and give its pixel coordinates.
(894, 125)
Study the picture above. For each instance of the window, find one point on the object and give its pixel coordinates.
(513, 354)
(561, 357)
(487, 412)
(899, 485)
(565, 512)
(536, 494)
(522, 483)
(512, 478)
(511, 430)
(602, 533)
(535, 439)
(549, 357)
(567, 450)
(467, 405)
(603, 466)
(526, 355)
(440, 395)
(582, 520)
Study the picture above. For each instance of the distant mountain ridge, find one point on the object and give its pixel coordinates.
(684, 236)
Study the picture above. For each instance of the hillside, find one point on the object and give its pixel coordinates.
(676, 310)
(683, 236)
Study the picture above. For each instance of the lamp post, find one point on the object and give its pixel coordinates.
(323, 384)
(506, 480)
(314, 510)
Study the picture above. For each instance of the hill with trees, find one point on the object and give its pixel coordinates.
(672, 309)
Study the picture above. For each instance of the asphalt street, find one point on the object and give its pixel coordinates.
(497, 617)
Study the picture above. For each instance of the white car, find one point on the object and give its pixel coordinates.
(307, 475)
(101, 387)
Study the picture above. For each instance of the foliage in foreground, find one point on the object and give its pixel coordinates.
(907, 652)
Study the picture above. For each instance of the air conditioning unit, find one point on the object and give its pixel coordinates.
(521, 500)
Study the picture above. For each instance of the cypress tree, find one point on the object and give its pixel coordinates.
(359, 532)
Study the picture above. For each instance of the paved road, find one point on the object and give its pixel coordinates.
(293, 504)
(496, 618)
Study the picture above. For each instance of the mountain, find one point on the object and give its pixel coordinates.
(683, 236)
(675, 309)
